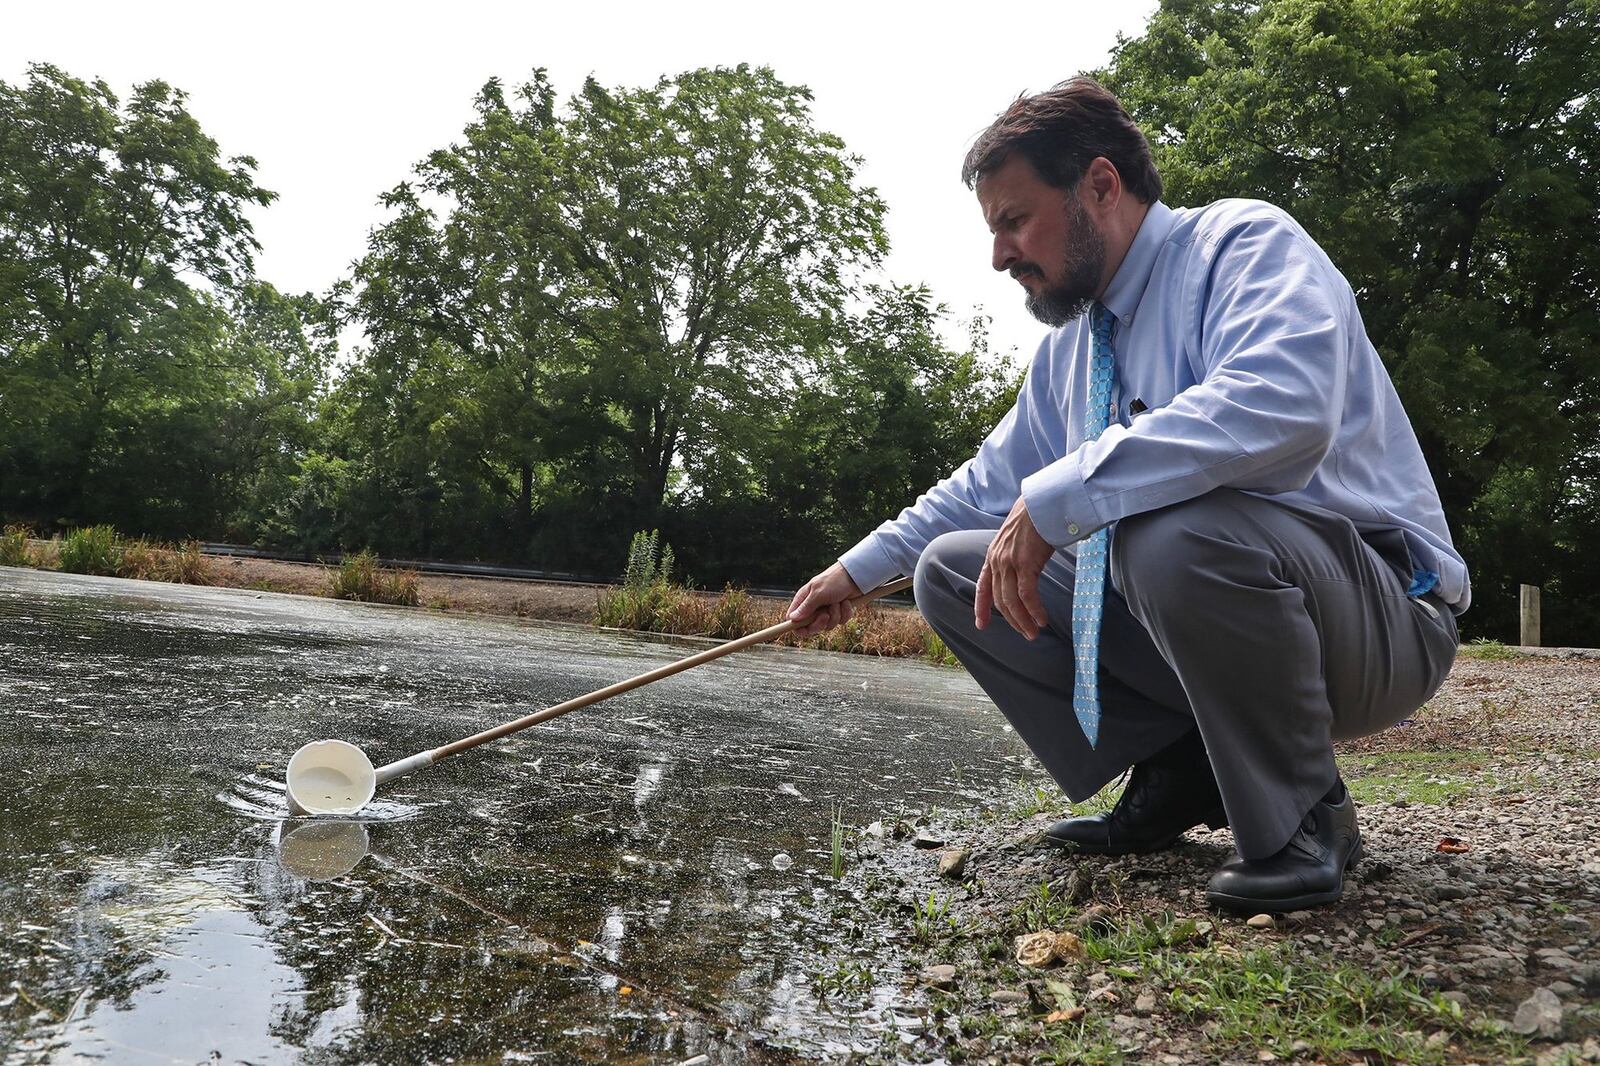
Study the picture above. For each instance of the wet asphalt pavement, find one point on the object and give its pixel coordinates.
(644, 880)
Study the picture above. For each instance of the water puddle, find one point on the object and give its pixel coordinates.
(647, 880)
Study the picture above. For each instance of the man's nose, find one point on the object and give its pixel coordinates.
(1004, 254)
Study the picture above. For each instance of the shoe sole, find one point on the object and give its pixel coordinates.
(1249, 905)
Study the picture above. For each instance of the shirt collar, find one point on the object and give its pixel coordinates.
(1122, 296)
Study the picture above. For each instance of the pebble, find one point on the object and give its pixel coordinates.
(1539, 1015)
(953, 863)
(1145, 1004)
(1261, 921)
(928, 841)
(1007, 996)
(941, 976)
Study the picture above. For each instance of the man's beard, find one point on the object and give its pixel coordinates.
(1081, 268)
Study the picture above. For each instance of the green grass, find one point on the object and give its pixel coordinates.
(1490, 650)
(836, 853)
(359, 577)
(1245, 1000)
(92, 550)
(1432, 777)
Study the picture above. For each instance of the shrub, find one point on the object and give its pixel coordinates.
(359, 577)
(647, 599)
(93, 550)
(140, 560)
(187, 566)
(14, 546)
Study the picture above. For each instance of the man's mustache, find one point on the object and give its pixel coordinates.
(1026, 268)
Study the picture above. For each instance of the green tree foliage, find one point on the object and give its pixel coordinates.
(577, 315)
(1445, 154)
(145, 379)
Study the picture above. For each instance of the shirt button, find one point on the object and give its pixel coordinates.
(1073, 528)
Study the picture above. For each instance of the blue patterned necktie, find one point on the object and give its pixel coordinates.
(1088, 588)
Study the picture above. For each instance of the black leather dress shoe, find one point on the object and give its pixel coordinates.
(1167, 794)
(1308, 872)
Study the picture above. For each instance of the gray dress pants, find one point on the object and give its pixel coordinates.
(1276, 628)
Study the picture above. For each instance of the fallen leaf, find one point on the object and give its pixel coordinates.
(624, 991)
(1452, 846)
(1063, 1015)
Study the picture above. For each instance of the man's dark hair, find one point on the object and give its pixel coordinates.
(1061, 131)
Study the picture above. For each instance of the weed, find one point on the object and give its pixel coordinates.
(838, 834)
(846, 979)
(187, 566)
(92, 550)
(14, 546)
(359, 577)
(930, 919)
(140, 560)
(1490, 650)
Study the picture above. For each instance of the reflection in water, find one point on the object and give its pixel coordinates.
(321, 850)
(162, 907)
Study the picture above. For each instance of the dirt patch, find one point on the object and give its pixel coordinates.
(1484, 951)
(548, 601)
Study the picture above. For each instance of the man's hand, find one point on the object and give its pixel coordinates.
(824, 600)
(1010, 576)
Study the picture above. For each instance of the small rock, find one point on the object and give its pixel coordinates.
(953, 864)
(1261, 921)
(1539, 1015)
(1562, 988)
(1145, 1004)
(1008, 996)
(1458, 997)
(876, 831)
(1591, 1050)
(928, 840)
(941, 976)
(1300, 1047)
(1437, 1041)
(1297, 917)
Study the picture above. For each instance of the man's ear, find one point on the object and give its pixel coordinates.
(1103, 183)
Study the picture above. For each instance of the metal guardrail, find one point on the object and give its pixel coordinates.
(476, 570)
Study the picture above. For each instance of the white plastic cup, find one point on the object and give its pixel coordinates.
(330, 777)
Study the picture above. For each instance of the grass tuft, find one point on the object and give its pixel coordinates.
(92, 550)
(359, 577)
(14, 546)
(1488, 650)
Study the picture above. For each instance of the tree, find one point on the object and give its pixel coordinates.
(114, 366)
(601, 300)
(1445, 154)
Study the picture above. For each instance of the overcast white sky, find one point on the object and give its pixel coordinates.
(336, 101)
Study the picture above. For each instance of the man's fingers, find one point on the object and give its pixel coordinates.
(1028, 592)
(980, 605)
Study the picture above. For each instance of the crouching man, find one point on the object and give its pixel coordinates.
(1204, 543)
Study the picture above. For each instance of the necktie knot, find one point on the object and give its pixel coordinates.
(1100, 322)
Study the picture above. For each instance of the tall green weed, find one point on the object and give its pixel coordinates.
(92, 550)
(359, 577)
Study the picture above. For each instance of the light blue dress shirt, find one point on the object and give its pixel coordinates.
(1242, 345)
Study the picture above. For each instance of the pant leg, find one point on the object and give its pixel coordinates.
(1286, 630)
(1143, 705)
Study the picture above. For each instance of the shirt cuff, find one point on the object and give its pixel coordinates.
(1059, 504)
(868, 564)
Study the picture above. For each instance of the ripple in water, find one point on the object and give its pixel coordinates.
(255, 796)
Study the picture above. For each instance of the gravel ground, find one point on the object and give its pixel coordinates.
(1481, 884)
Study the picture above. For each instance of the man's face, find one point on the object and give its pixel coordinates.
(1045, 239)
